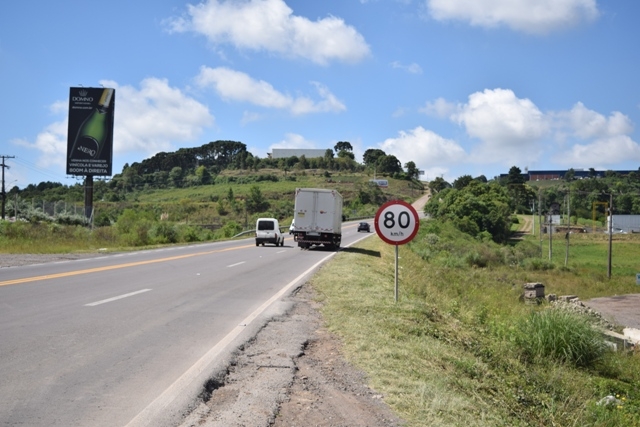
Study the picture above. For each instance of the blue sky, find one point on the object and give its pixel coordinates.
(457, 86)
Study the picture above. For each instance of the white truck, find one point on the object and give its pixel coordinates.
(317, 218)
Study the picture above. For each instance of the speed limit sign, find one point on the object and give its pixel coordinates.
(397, 222)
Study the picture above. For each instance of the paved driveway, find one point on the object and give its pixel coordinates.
(622, 309)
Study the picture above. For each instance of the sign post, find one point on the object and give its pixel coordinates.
(396, 223)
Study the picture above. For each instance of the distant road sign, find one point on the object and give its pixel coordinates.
(397, 222)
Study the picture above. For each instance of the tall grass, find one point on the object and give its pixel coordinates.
(560, 335)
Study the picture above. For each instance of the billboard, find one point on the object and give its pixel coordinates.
(90, 131)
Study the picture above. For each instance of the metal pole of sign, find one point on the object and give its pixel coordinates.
(396, 273)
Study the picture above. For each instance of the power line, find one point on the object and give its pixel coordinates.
(36, 168)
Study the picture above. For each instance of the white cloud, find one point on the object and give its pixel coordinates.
(439, 108)
(509, 127)
(426, 149)
(152, 118)
(529, 16)
(236, 86)
(587, 123)
(270, 25)
(598, 140)
(147, 120)
(412, 68)
(51, 143)
(514, 131)
(602, 153)
(248, 117)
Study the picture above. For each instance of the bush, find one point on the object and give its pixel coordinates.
(70, 219)
(164, 232)
(230, 229)
(537, 264)
(559, 335)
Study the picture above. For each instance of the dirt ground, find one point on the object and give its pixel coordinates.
(327, 390)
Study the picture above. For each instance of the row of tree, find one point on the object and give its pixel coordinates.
(483, 208)
(188, 167)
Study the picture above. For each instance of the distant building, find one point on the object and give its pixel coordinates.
(544, 175)
(285, 153)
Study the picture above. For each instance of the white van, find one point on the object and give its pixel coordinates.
(268, 231)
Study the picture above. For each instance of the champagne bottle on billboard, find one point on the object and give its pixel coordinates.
(93, 131)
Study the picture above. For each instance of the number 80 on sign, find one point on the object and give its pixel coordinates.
(397, 222)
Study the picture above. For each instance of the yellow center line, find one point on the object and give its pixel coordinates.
(112, 267)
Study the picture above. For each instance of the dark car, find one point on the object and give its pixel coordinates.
(364, 226)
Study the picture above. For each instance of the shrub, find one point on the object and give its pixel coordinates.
(188, 233)
(164, 232)
(230, 229)
(537, 264)
(71, 219)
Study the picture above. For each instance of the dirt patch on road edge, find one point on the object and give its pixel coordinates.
(294, 374)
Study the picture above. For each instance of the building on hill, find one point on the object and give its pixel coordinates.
(285, 153)
(544, 175)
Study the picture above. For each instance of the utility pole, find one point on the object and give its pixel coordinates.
(610, 233)
(533, 217)
(4, 194)
(567, 236)
(540, 219)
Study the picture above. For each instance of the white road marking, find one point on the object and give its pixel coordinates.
(279, 252)
(236, 264)
(104, 301)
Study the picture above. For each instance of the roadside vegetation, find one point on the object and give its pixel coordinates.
(460, 347)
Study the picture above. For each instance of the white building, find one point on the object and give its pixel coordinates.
(285, 153)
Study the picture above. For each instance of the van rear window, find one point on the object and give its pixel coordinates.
(265, 225)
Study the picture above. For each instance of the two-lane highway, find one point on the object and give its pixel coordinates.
(125, 339)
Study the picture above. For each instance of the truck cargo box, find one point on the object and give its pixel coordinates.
(317, 217)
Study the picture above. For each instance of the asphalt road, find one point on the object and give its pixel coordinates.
(130, 339)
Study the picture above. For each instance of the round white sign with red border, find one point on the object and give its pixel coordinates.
(397, 222)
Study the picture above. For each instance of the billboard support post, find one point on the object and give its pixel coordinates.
(88, 196)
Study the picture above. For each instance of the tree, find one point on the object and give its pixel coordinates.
(570, 175)
(462, 182)
(343, 146)
(372, 155)
(389, 164)
(412, 170)
(345, 154)
(475, 209)
(175, 176)
(515, 176)
(438, 184)
(256, 201)
(204, 177)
